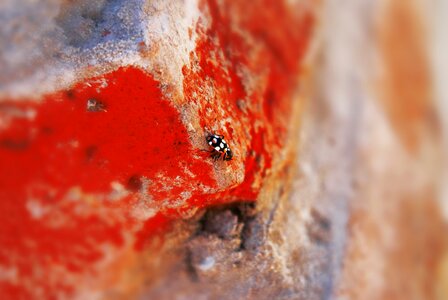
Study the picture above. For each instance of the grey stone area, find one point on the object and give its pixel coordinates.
(45, 44)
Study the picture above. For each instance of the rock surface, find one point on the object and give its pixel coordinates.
(106, 191)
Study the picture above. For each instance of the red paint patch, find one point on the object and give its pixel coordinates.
(154, 226)
(57, 204)
(266, 41)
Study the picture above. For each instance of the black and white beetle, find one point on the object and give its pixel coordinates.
(219, 146)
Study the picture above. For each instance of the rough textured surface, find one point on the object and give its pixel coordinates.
(329, 108)
(105, 122)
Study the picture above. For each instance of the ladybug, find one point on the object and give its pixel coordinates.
(219, 146)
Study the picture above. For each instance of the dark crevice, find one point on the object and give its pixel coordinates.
(191, 270)
(319, 229)
(234, 221)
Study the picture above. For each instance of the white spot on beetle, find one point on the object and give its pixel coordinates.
(217, 148)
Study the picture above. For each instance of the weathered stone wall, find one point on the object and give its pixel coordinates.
(335, 113)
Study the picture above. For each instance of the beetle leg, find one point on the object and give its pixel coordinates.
(215, 155)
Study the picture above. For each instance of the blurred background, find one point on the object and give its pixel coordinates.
(336, 112)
